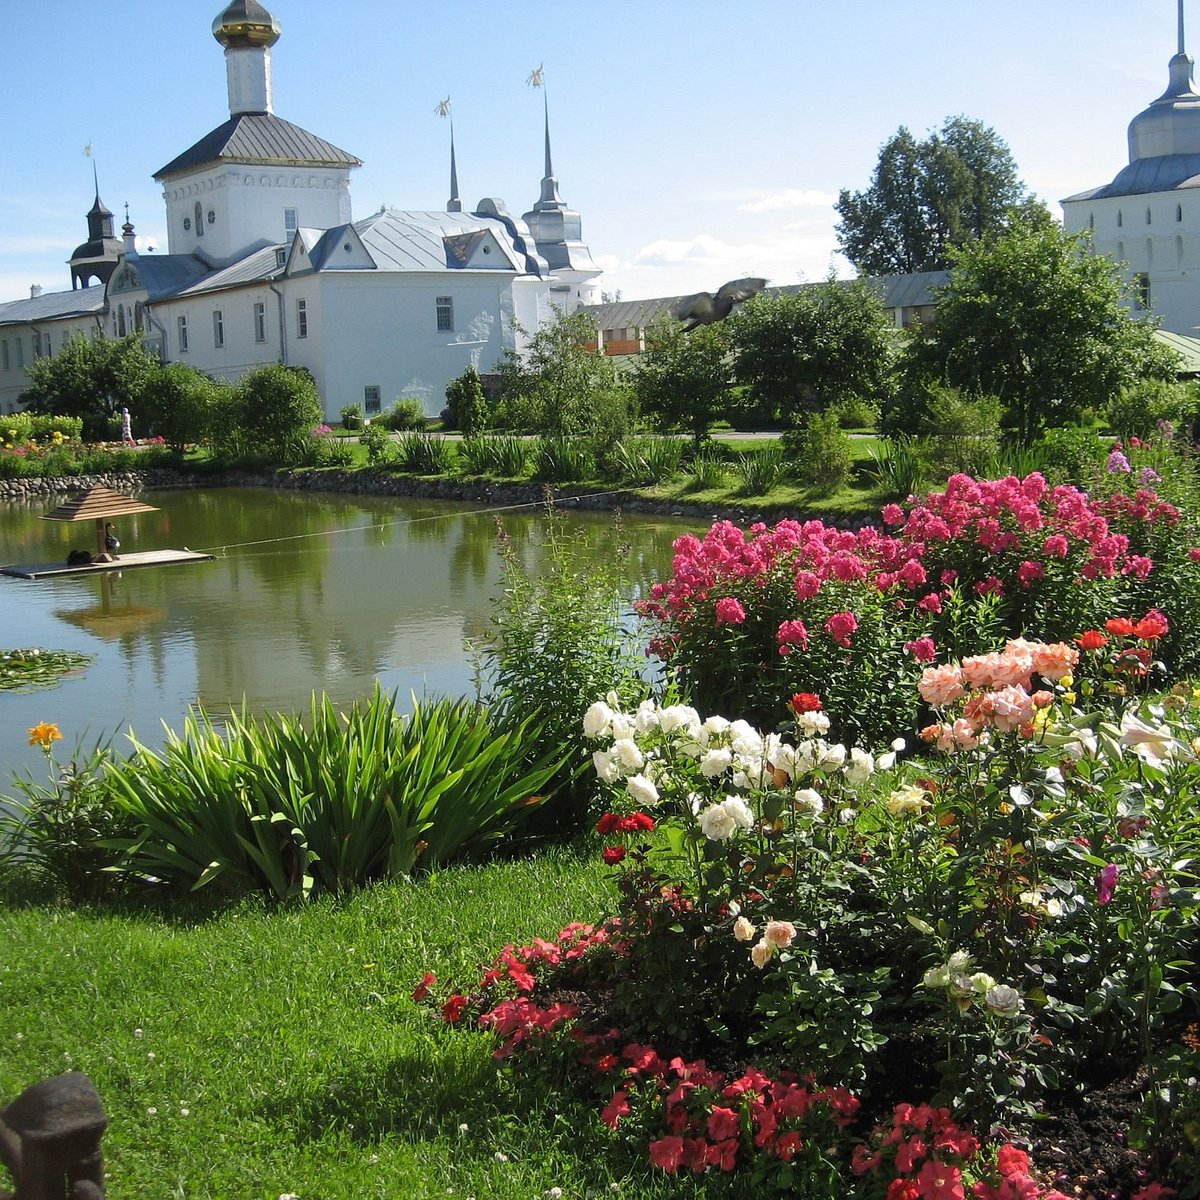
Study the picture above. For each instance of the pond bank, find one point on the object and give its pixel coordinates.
(385, 483)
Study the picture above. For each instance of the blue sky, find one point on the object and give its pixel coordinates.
(700, 140)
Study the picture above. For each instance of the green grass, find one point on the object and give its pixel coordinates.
(256, 1052)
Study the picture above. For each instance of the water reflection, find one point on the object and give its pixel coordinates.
(309, 591)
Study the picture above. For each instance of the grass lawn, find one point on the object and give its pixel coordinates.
(253, 1053)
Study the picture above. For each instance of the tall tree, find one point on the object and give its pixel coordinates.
(799, 352)
(925, 197)
(1031, 316)
(682, 379)
(92, 378)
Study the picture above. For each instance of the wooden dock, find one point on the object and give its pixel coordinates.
(127, 562)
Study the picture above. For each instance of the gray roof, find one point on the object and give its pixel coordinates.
(431, 241)
(896, 291)
(256, 267)
(1167, 173)
(165, 275)
(1188, 349)
(260, 138)
(79, 302)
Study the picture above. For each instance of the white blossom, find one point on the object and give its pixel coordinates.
(716, 762)
(860, 768)
(720, 821)
(642, 790)
(597, 721)
(629, 754)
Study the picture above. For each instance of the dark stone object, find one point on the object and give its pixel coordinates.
(78, 558)
(50, 1140)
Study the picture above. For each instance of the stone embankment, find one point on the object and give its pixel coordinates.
(385, 483)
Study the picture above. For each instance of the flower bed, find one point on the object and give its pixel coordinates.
(872, 975)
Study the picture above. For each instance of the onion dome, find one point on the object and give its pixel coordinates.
(246, 23)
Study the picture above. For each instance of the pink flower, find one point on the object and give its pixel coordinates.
(792, 633)
(667, 1153)
(931, 603)
(779, 934)
(1056, 546)
(723, 1123)
(1029, 571)
(941, 686)
(1117, 463)
(807, 585)
(923, 649)
(893, 514)
(1010, 1160)
(1011, 708)
(730, 611)
(840, 626)
(1106, 883)
(938, 1181)
(616, 1108)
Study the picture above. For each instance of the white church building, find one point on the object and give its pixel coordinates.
(266, 264)
(1148, 217)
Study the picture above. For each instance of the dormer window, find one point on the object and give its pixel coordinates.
(280, 257)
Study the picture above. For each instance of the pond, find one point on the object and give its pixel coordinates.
(308, 592)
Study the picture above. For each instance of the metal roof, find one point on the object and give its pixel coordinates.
(1166, 173)
(254, 268)
(260, 138)
(166, 275)
(418, 241)
(1188, 349)
(79, 302)
(896, 291)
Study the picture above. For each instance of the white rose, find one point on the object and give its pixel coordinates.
(937, 977)
(716, 762)
(678, 716)
(743, 816)
(715, 726)
(597, 721)
(1003, 1000)
(810, 799)
(812, 722)
(783, 757)
(606, 767)
(642, 790)
(745, 739)
(628, 754)
(834, 756)
(646, 717)
(622, 725)
(716, 823)
(860, 768)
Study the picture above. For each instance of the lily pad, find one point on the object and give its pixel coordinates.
(27, 670)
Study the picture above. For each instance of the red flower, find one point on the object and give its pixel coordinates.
(616, 1108)
(1119, 626)
(422, 990)
(937, 1181)
(1091, 639)
(840, 626)
(923, 649)
(667, 1153)
(1152, 626)
(1010, 1160)
(613, 855)
(607, 823)
(806, 702)
(453, 1009)
(903, 1189)
(723, 1123)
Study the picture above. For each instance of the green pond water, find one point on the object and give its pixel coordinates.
(308, 592)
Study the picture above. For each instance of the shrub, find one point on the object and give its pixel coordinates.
(707, 470)
(762, 469)
(562, 459)
(647, 460)
(352, 416)
(1137, 409)
(374, 439)
(963, 433)
(821, 452)
(748, 617)
(506, 457)
(424, 454)
(855, 413)
(466, 404)
(271, 413)
(557, 638)
(290, 807)
(407, 413)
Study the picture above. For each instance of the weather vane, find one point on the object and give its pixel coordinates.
(537, 77)
(443, 107)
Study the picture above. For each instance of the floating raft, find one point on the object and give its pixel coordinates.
(127, 562)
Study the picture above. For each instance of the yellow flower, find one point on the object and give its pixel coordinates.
(44, 734)
(1067, 681)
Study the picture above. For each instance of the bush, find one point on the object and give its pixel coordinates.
(563, 459)
(270, 414)
(558, 638)
(374, 439)
(424, 454)
(505, 457)
(749, 617)
(1140, 409)
(406, 414)
(327, 804)
(352, 416)
(762, 469)
(963, 433)
(855, 413)
(821, 453)
(467, 407)
(647, 460)
(707, 470)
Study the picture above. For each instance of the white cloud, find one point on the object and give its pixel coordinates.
(790, 198)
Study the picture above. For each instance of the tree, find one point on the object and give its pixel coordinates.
(1031, 316)
(682, 379)
(560, 385)
(467, 405)
(91, 378)
(276, 408)
(957, 185)
(179, 404)
(800, 352)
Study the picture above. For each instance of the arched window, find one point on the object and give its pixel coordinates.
(122, 330)
(1179, 212)
(1120, 218)
(1149, 252)
(1179, 252)
(1120, 252)
(199, 220)
(1147, 216)
(1091, 220)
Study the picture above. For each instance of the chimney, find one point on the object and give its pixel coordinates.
(35, 291)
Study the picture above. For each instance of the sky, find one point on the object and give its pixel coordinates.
(701, 140)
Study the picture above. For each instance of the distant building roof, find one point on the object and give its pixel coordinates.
(260, 138)
(79, 302)
(1188, 349)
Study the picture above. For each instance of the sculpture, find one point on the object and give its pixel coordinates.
(50, 1140)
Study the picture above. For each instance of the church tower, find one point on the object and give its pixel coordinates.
(254, 180)
(1148, 217)
(558, 233)
(96, 259)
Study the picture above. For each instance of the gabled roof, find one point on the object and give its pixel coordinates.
(161, 275)
(79, 302)
(433, 241)
(260, 138)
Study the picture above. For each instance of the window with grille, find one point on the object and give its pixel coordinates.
(183, 335)
(445, 314)
(260, 322)
(302, 318)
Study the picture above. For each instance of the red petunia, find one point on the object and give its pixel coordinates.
(422, 989)
(453, 1009)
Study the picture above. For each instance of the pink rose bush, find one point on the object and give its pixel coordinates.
(750, 615)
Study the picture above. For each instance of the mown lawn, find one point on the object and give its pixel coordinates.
(256, 1052)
